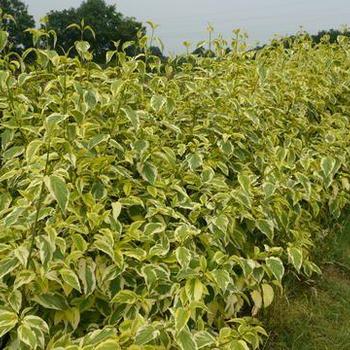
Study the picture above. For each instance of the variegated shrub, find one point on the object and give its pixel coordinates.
(159, 206)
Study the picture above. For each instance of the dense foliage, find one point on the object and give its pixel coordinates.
(147, 208)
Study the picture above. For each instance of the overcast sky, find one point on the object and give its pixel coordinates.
(182, 20)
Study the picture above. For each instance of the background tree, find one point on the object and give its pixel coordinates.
(19, 39)
(156, 51)
(109, 25)
(332, 33)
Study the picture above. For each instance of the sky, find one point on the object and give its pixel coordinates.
(186, 20)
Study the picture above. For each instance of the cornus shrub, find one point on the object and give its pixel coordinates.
(144, 206)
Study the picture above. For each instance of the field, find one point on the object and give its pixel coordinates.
(168, 205)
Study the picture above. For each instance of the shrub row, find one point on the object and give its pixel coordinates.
(143, 207)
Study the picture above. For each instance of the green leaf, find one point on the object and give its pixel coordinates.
(244, 181)
(268, 294)
(58, 189)
(305, 182)
(238, 345)
(153, 228)
(3, 39)
(46, 250)
(125, 297)
(15, 300)
(148, 172)
(86, 272)
(36, 322)
(132, 116)
(105, 245)
(207, 175)
(7, 265)
(82, 47)
(95, 141)
(221, 222)
(53, 120)
(194, 160)
(8, 320)
(154, 274)
(146, 334)
(51, 301)
(269, 189)
(109, 56)
(110, 344)
(117, 86)
(27, 336)
(157, 102)
(140, 146)
(194, 289)
(296, 257)
(257, 299)
(222, 278)
(327, 166)
(276, 267)
(185, 340)
(149, 275)
(32, 149)
(244, 199)
(8, 175)
(79, 243)
(13, 152)
(136, 253)
(181, 318)
(70, 278)
(116, 209)
(23, 277)
(204, 339)
(183, 256)
(72, 315)
(91, 101)
(267, 228)
(98, 336)
(262, 71)
(226, 147)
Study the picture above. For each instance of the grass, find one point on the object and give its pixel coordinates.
(315, 315)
